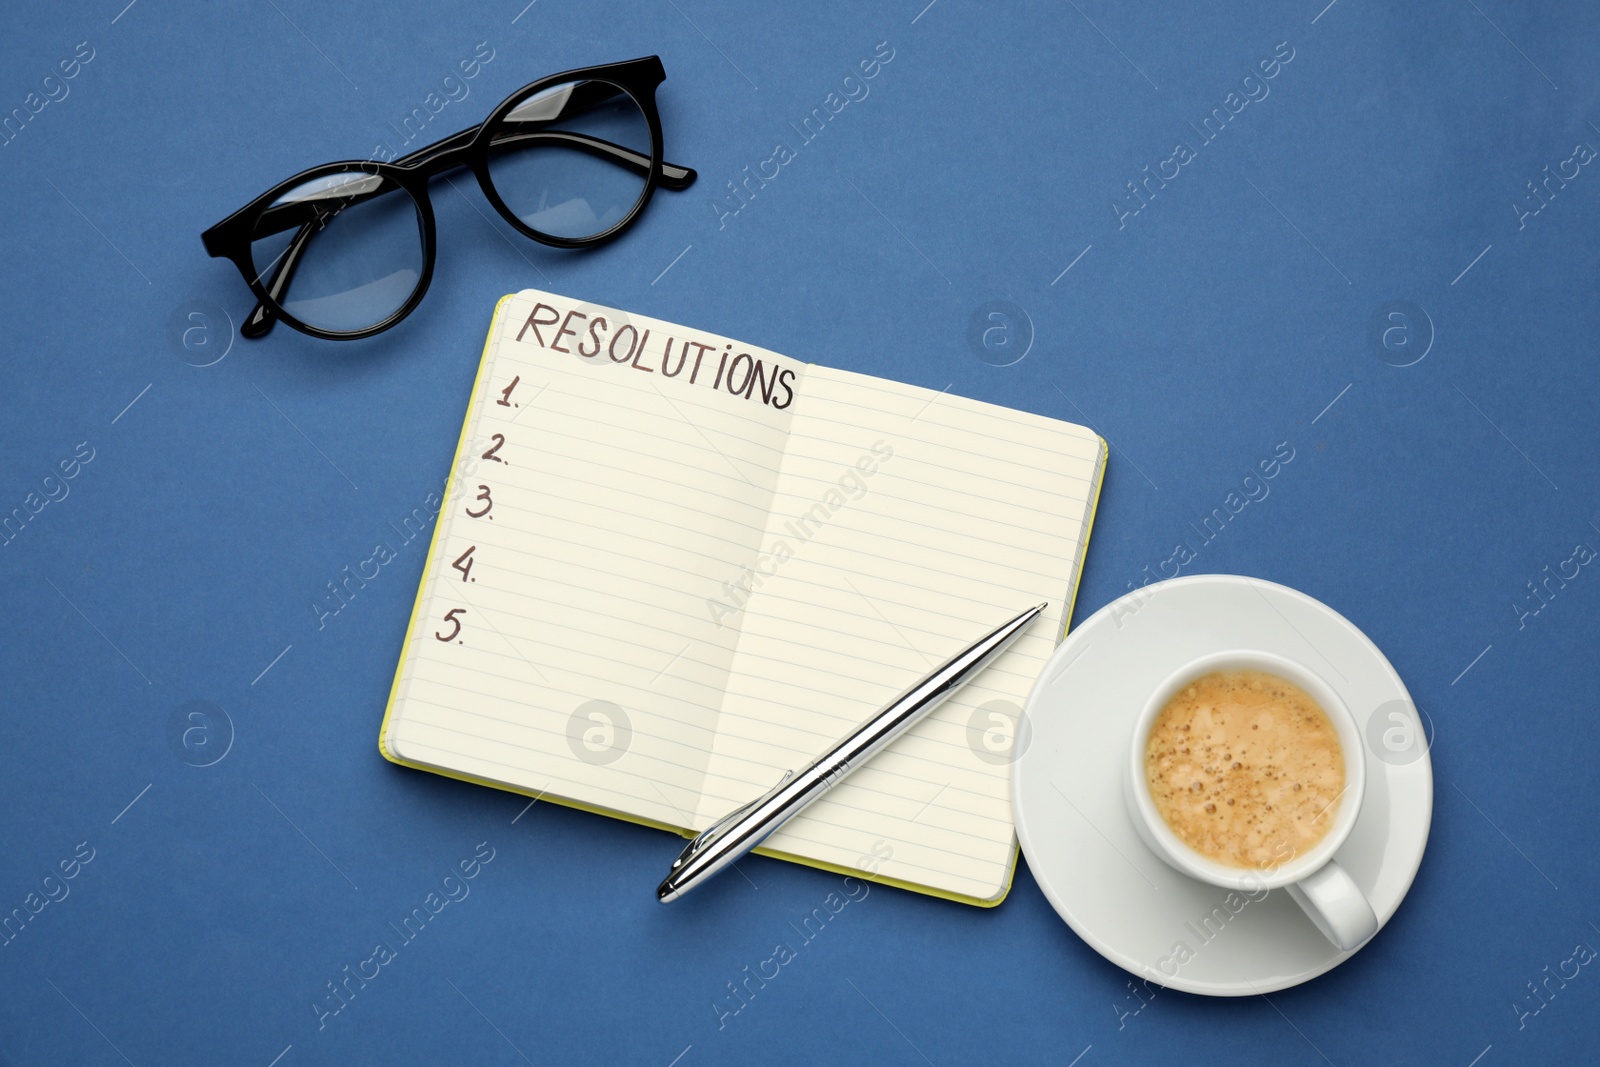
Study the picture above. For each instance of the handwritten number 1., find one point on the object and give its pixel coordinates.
(488, 504)
(453, 617)
(505, 394)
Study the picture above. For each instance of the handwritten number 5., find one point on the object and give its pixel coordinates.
(488, 504)
(453, 617)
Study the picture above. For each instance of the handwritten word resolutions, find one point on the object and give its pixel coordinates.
(594, 338)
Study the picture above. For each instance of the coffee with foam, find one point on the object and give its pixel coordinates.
(1245, 768)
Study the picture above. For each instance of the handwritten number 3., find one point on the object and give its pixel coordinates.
(453, 617)
(488, 504)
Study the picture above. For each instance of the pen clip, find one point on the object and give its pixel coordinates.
(721, 826)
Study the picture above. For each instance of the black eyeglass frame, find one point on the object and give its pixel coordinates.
(232, 237)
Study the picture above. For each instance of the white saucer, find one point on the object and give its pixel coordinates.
(1081, 843)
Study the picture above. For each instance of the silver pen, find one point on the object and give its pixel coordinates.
(746, 827)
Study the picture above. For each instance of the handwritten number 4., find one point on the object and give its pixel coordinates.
(505, 394)
(453, 617)
(463, 564)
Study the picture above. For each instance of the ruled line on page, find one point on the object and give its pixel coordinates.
(590, 608)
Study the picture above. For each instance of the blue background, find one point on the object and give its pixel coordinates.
(1223, 318)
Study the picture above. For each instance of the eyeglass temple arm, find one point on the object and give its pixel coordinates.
(261, 318)
(673, 176)
(583, 96)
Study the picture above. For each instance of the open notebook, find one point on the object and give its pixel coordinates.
(672, 567)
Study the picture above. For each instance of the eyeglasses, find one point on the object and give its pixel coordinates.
(346, 250)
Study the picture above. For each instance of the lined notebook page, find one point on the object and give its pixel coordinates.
(596, 508)
(905, 524)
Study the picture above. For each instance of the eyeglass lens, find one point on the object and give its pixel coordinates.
(553, 158)
(352, 244)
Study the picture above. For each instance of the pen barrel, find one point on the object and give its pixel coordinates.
(894, 719)
(743, 829)
(900, 714)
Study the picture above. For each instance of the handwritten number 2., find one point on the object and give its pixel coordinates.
(463, 563)
(453, 617)
(499, 440)
(488, 504)
(505, 394)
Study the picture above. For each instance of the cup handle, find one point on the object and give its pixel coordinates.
(1339, 909)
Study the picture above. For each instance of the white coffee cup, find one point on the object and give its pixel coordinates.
(1313, 878)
